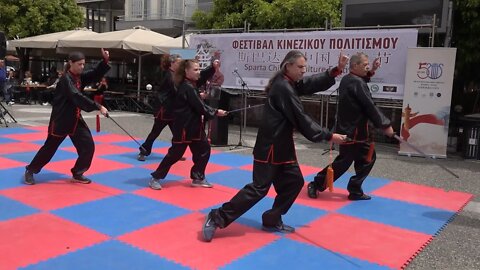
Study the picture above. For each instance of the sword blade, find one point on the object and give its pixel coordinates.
(126, 132)
(246, 108)
(400, 139)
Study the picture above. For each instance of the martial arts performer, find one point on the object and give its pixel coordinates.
(66, 118)
(164, 93)
(355, 109)
(188, 127)
(274, 154)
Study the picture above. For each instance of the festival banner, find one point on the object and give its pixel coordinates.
(426, 103)
(255, 57)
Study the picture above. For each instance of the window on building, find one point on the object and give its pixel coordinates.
(136, 8)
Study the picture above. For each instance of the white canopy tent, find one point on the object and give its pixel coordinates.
(138, 41)
(45, 45)
(176, 43)
(50, 41)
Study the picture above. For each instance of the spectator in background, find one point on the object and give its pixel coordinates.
(28, 77)
(215, 83)
(3, 79)
(101, 86)
(47, 94)
(10, 85)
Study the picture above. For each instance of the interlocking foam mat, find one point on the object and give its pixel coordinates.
(118, 222)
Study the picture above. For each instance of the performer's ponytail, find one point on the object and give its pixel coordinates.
(180, 74)
(168, 59)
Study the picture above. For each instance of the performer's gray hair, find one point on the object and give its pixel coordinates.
(356, 58)
(290, 58)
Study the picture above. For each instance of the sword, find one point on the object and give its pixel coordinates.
(108, 116)
(246, 108)
(400, 139)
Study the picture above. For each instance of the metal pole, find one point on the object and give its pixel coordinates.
(321, 110)
(183, 24)
(448, 36)
(139, 76)
(434, 24)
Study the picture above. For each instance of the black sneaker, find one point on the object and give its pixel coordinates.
(28, 178)
(280, 227)
(80, 179)
(356, 197)
(312, 190)
(209, 228)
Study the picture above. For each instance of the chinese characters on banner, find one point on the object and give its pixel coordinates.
(257, 56)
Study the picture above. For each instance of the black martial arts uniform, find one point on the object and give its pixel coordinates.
(188, 128)
(355, 109)
(66, 120)
(275, 161)
(164, 97)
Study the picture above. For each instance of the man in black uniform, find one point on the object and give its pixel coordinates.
(355, 109)
(188, 127)
(274, 152)
(164, 93)
(66, 119)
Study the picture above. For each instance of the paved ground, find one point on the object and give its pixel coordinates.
(456, 247)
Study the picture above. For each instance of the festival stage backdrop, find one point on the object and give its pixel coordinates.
(257, 56)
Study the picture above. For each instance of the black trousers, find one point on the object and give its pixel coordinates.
(349, 153)
(287, 180)
(45, 96)
(81, 139)
(200, 156)
(157, 128)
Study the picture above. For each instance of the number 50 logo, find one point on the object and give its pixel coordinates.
(429, 70)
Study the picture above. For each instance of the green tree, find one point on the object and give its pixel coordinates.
(272, 14)
(24, 18)
(466, 37)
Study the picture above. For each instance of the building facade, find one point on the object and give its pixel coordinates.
(163, 16)
(101, 15)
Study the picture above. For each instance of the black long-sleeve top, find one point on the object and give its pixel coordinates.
(356, 108)
(164, 94)
(69, 100)
(189, 109)
(283, 112)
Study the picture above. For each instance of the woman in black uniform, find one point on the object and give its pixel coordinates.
(66, 119)
(164, 92)
(188, 127)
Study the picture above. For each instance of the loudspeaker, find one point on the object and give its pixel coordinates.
(3, 45)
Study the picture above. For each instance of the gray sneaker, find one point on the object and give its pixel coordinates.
(29, 180)
(80, 178)
(141, 157)
(201, 183)
(155, 184)
(209, 227)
